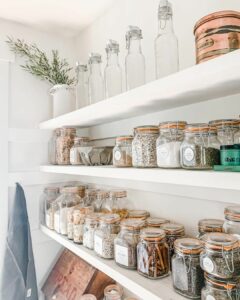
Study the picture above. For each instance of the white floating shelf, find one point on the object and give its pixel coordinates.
(210, 80)
(145, 289)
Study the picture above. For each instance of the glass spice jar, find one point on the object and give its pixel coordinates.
(122, 152)
(50, 194)
(138, 214)
(156, 222)
(226, 129)
(220, 289)
(153, 254)
(125, 244)
(187, 275)
(75, 157)
(232, 220)
(209, 225)
(52, 149)
(221, 255)
(105, 234)
(168, 144)
(90, 225)
(200, 148)
(64, 144)
(113, 292)
(79, 214)
(144, 154)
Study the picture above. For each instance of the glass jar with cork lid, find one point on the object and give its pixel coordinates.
(156, 222)
(117, 203)
(138, 214)
(52, 147)
(47, 201)
(122, 152)
(232, 220)
(113, 292)
(90, 225)
(209, 225)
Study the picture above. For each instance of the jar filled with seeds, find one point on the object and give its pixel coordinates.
(144, 153)
(221, 255)
(200, 148)
(50, 194)
(232, 220)
(122, 152)
(138, 214)
(79, 214)
(220, 289)
(125, 244)
(52, 149)
(64, 144)
(153, 254)
(90, 225)
(113, 292)
(209, 225)
(102, 198)
(187, 275)
(104, 236)
(226, 129)
(156, 222)
(168, 144)
(116, 203)
(75, 157)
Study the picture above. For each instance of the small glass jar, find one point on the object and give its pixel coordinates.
(187, 275)
(75, 157)
(125, 244)
(220, 289)
(104, 236)
(200, 148)
(88, 297)
(226, 129)
(116, 203)
(64, 144)
(232, 220)
(113, 292)
(153, 254)
(156, 222)
(138, 214)
(144, 154)
(50, 194)
(90, 196)
(101, 200)
(237, 134)
(122, 152)
(90, 225)
(52, 149)
(168, 144)
(79, 215)
(209, 225)
(221, 254)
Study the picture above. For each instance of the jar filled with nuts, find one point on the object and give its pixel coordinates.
(122, 152)
(144, 153)
(52, 147)
(209, 225)
(64, 144)
(156, 222)
(138, 214)
(90, 225)
(75, 157)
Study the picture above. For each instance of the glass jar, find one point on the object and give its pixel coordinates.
(221, 255)
(209, 225)
(187, 275)
(232, 220)
(101, 200)
(64, 144)
(90, 196)
(125, 244)
(116, 203)
(122, 152)
(82, 85)
(50, 194)
(168, 144)
(144, 154)
(79, 214)
(75, 157)
(104, 236)
(91, 224)
(226, 129)
(237, 134)
(88, 297)
(200, 148)
(156, 222)
(138, 214)
(113, 292)
(52, 149)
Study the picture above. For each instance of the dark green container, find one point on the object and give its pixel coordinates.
(230, 155)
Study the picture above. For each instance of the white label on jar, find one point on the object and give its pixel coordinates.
(121, 255)
(188, 154)
(117, 155)
(208, 264)
(209, 297)
(98, 245)
(163, 152)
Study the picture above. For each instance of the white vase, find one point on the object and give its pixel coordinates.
(63, 97)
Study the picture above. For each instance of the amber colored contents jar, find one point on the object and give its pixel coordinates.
(64, 144)
(209, 225)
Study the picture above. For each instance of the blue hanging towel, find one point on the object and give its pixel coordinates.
(19, 276)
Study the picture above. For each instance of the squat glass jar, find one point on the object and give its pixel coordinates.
(122, 152)
(52, 147)
(75, 157)
(138, 214)
(64, 144)
(156, 222)
(144, 153)
(168, 144)
(91, 224)
(187, 275)
(232, 220)
(209, 225)
(221, 255)
(50, 194)
(226, 129)
(113, 292)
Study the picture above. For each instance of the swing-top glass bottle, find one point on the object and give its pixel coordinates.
(82, 85)
(95, 81)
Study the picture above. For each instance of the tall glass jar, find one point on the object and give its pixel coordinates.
(82, 85)
(104, 236)
(90, 196)
(79, 215)
(168, 144)
(153, 254)
(52, 147)
(125, 244)
(200, 148)
(122, 152)
(75, 157)
(64, 144)
(144, 154)
(166, 43)
(138, 214)
(95, 80)
(113, 292)
(232, 220)
(50, 194)
(156, 222)
(221, 254)
(113, 71)
(187, 275)
(237, 134)
(91, 224)
(209, 225)
(135, 61)
(226, 129)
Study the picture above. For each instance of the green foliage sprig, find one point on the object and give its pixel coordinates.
(55, 71)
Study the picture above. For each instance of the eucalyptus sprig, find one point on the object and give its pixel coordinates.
(55, 71)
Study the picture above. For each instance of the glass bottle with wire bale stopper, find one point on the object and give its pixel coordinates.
(122, 152)
(232, 220)
(187, 275)
(75, 157)
(221, 255)
(138, 214)
(113, 292)
(90, 225)
(156, 222)
(226, 130)
(209, 225)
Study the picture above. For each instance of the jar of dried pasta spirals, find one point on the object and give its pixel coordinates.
(122, 152)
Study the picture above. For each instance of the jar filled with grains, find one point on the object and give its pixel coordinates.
(144, 153)
(156, 222)
(138, 214)
(64, 144)
(90, 225)
(104, 235)
(220, 289)
(209, 225)
(122, 152)
(168, 144)
(75, 157)
(226, 129)
(232, 220)
(221, 255)
(125, 244)
(113, 292)
(79, 214)
(50, 194)
(200, 148)
(116, 203)
(187, 275)
(52, 149)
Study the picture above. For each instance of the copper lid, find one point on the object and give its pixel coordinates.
(139, 214)
(210, 225)
(118, 193)
(200, 127)
(132, 224)
(91, 192)
(156, 222)
(220, 241)
(224, 123)
(232, 213)
(228, 284)
(188, 246)
(124, 138)
(173, 125)
(73, 189)
(94, 216)
(152, 234)
(173, 229)
(147, 129)
(110, 218)
(102, 193)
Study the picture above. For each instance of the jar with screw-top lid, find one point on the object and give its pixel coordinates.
(64, 144)
(226, 129)
(138, 214)
(156, 222)
(209, 225)
(90, 225)
(122, 152)
(221, 254)
(113, 292)
(187, 275)
(50, 194)
(232, 220)
(52, 147)
(75, 157)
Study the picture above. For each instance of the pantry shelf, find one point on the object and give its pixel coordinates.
(137, 284)
(210, 80)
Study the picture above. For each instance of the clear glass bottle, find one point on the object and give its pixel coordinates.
(116, 203)
(75, 157)
(95, 80)
(209, 225)
(166, 43)
(232, 220)
(50, 194)
(113, 292)
(226, 129)
(82, 85)
(64, 144)
(156, 222)
(135, 61)
(113, 71)
(52, 147)
(122, 152)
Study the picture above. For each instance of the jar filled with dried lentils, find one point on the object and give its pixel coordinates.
(209, 225)
(122, 152)
(64, 144)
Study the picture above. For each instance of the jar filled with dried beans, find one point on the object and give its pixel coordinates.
(209, 225)
(232, 220)
(64, 144)
(75, 157)
(122, 152)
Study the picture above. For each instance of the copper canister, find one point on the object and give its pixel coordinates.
(217, 34)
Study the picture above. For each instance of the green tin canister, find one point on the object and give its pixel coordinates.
(230, 155)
